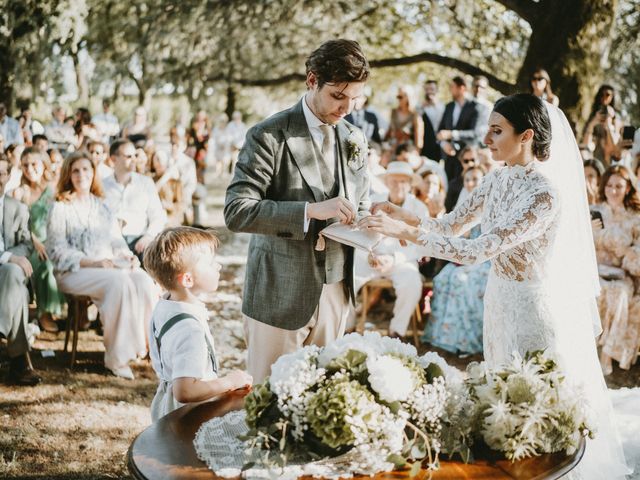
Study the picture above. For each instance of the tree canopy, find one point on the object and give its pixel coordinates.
(190, 46)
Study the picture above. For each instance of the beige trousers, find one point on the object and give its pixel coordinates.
(125, 299)
(266, 343)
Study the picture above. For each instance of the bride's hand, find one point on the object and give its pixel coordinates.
(395, 212)
(388, 226)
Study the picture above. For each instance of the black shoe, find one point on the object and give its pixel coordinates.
(21, 373)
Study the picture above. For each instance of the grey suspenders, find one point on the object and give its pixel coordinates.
(167, 326)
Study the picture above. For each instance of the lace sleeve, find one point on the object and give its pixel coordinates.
(464, 217)
(64, 257)
(526, 221)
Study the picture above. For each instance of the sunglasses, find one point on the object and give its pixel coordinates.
(538, 79)
(468, 160)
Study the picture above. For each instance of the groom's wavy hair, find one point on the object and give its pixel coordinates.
(338, 61)
(524, 111)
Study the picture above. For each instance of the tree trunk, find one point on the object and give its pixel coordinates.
(231, 101)
(571, 40)
(7, 65)
(81, 78)
(142, 90)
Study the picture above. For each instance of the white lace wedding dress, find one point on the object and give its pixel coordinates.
(518, 209)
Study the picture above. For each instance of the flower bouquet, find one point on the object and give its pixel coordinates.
(527, 408)
(365, 403)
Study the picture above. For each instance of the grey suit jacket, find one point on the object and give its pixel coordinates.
(15, 228)
(276, 175)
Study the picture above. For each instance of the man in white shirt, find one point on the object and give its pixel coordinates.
(133, 199)
(15, 269)
(188, 176)
(9, 128)
(107, 123)
(432, 111)
(392, 260)
(61, 135)
(479, 89)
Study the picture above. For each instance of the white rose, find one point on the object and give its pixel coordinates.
(390, 378)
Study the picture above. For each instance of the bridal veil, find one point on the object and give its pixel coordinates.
(574, 285)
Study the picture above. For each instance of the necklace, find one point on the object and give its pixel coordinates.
(84, 221)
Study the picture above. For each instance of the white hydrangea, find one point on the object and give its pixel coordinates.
(291, 377)
(452, 374)
(389, 378)
(368, 343)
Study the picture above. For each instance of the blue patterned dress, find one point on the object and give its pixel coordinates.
(457, 307)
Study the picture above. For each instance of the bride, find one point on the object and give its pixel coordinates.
(542, 288)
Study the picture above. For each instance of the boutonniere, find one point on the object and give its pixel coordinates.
(355, 154)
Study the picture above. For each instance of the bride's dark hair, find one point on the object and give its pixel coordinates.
(524, 111)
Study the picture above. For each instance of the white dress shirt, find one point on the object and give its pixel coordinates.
(434, 114)
(4, 256)
(137, 204)
(10, 131)
(317, 135)
(457, 110)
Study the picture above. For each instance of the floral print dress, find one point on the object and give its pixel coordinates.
(618, 245)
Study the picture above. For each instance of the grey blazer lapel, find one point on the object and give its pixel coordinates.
(298, 139)
(7, 217)
(342, 134)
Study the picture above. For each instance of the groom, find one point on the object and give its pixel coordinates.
(298, 171)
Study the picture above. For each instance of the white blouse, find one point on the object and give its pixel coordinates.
(76, 231)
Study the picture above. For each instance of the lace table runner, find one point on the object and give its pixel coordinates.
(217, 444)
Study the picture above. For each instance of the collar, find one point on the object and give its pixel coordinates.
(309, 116)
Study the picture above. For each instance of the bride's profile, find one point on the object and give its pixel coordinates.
(543, 284)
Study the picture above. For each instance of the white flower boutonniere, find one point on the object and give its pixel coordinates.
(355, 151)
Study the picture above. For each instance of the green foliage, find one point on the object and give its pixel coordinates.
(257, 402)
(328, 407)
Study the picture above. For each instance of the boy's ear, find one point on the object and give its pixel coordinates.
(185, 280)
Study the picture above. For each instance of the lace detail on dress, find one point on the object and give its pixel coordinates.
(517, 208)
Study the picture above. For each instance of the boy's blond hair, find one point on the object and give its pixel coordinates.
(170, 253)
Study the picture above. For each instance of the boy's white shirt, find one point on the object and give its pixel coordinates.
(184, 349)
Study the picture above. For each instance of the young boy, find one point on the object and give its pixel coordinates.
(182, 261)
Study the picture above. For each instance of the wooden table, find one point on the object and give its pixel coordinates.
(164, 451)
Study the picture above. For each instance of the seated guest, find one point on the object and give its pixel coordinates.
(617, 241)
(458, 290)
(14, 153)
(37, 194)
(188, 175)
(467, 157)
(90, 258)
(133, 199)
(99, 156)
(15, 270)
(393, 261)
(593, 171)
(429, 189)
(472, 177)
(167, 179)
(182, 260)
(41, 143)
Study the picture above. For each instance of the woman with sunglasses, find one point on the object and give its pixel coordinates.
(541, 87)
(405, 125)
(468, 158)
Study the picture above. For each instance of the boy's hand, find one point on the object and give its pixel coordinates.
(239, 379)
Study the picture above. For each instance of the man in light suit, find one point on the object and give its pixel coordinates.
(298, 171)
(15, 269)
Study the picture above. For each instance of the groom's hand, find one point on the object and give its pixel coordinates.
(338, 207)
